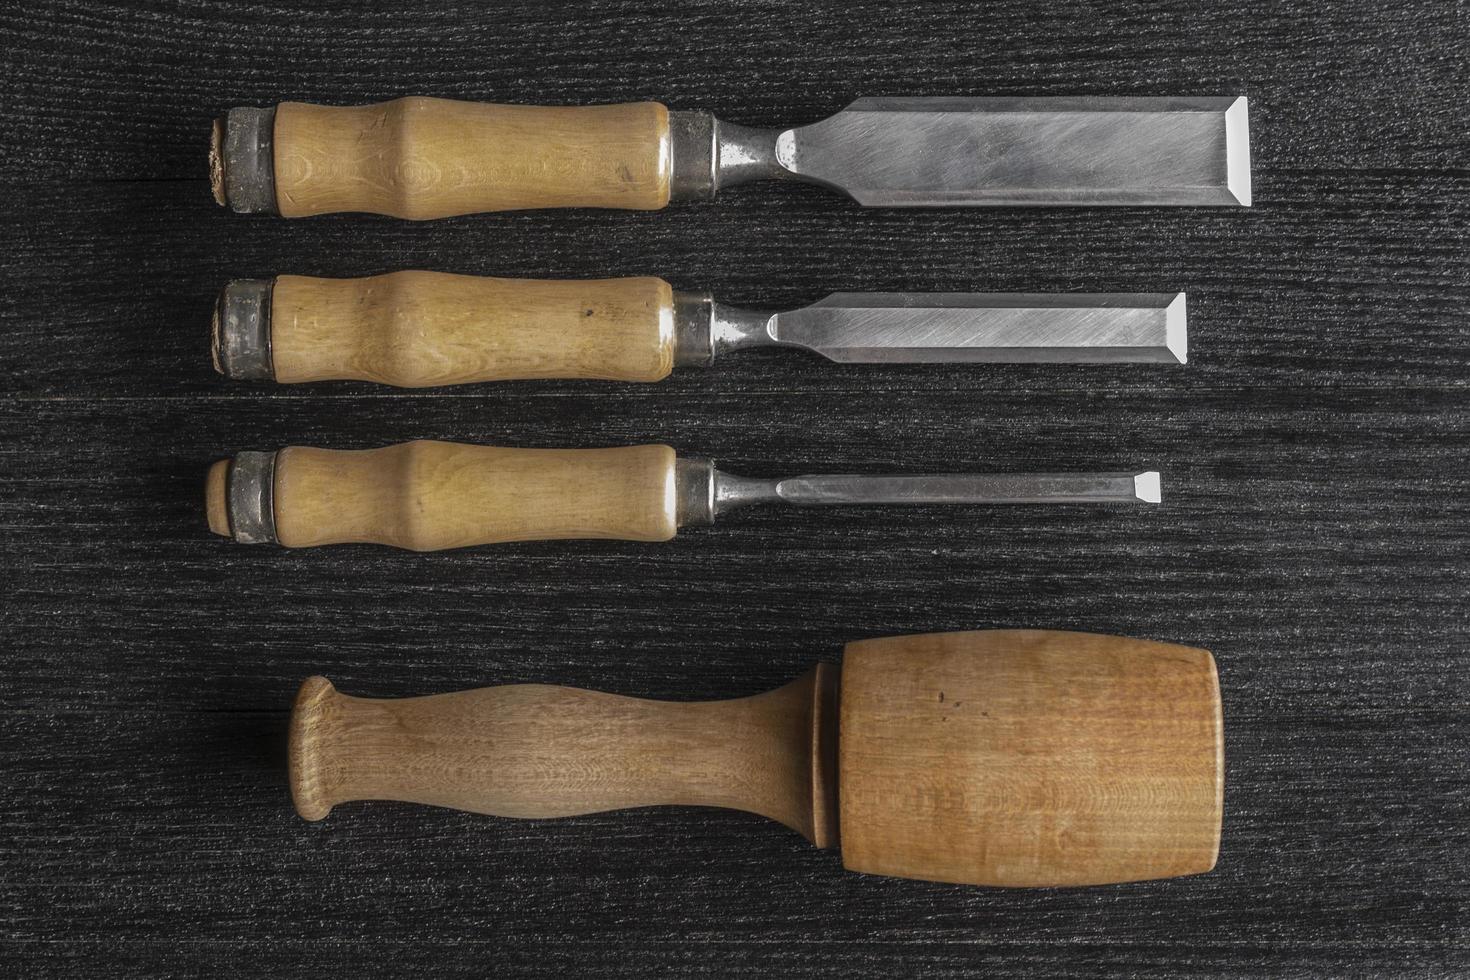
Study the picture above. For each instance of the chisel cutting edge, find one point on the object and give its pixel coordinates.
(431, 158)
(429, 496)
(415, 329)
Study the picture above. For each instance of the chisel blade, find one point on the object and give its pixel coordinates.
(990, 327)
(972, 488)
(1085, 150)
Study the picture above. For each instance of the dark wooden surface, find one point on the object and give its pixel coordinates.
(1314, 531)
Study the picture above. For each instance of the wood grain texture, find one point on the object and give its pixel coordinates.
(427, 495)
(538, 751)
(420, 158)
(417, 329)
(1315, 530)
(1074, 759)
(1026, 758)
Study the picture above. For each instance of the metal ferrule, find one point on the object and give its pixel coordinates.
(247, 160)
(703, 493)
(693, 338)
(709, 154)
(695, 156)
(694, 491)
(241, 342)
(251, 495)
(704, 329)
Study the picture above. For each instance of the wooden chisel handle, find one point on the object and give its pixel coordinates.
(415, 329)
(426, 158)
(428, 496)
(533, 750)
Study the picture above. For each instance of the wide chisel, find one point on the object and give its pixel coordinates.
(414, 329)
(997, 757)
(429, 496)
(431, 158)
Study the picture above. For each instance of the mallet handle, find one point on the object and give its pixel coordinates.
(533, 750)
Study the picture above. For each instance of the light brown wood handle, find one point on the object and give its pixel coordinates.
(428, 496)
(1016, 758)
(432, 158)
(535, 750)
(414, 329)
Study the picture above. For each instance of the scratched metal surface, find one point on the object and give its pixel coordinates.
(1023, 328)
(1314, 533)
(1081, 151)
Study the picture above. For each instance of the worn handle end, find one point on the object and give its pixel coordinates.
(217, 162)
(310, 716)
(240, 335)
(239, 498)
(242, 169)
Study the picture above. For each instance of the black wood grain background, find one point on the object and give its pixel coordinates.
(1314, 531)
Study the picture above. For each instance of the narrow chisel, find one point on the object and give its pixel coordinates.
(431, 158)
(429, 496)
(996, 757)
(415, 329)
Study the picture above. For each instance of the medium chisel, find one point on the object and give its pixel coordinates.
(431, 158)
(429, 496)
(414, 329)
(996, 757)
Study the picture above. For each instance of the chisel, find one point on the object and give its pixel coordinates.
(996, 757)
(414, 329)
(428, 496)
(431, 158)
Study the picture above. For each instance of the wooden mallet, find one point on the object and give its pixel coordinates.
(998, 757)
